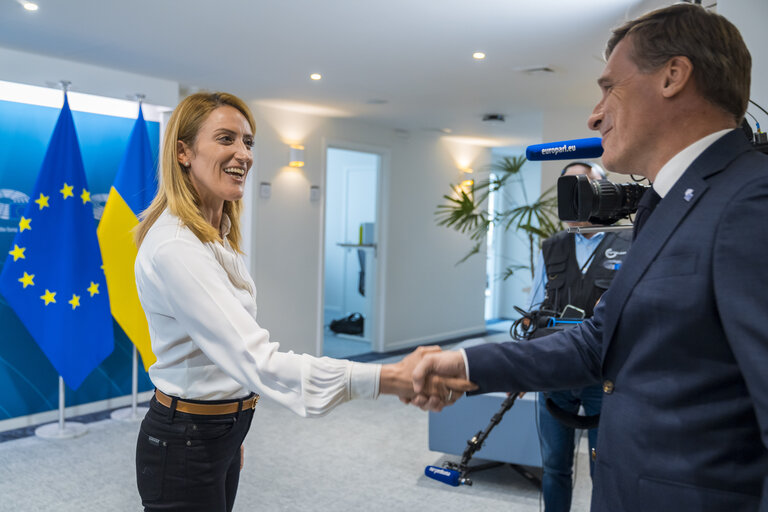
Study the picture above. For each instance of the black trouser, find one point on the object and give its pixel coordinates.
(188, 462)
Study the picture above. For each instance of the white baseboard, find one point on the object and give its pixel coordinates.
(69, 412)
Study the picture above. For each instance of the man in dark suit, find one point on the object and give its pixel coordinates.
(680, 339)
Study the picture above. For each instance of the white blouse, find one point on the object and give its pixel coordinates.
(200, 304)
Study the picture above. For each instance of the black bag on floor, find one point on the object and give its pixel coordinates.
(353, 324)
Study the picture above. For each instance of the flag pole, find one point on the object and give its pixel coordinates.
(61, 430)
(134, 413)
(135, 383)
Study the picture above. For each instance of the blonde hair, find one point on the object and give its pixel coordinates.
(175, 190)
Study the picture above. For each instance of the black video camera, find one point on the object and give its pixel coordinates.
(580, 199)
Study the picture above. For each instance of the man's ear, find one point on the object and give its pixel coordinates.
(678, 74)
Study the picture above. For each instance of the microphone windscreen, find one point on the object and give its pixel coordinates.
(575, 149)
(445, 475)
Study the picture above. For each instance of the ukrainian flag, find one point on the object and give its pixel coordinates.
(133, 190)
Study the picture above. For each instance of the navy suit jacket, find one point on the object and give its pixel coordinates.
(680, 343)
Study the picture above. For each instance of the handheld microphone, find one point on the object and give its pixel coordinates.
(566, 149)
(445, 475)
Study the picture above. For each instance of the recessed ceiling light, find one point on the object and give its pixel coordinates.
(478, 55)
(30, 6)
(316, 76)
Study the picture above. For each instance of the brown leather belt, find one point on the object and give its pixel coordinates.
(206, 409)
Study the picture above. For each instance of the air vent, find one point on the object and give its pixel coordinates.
(493, 118)
(536, 70)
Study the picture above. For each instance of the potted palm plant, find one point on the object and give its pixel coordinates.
(465, 210)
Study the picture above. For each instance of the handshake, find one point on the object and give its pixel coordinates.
(427, 377)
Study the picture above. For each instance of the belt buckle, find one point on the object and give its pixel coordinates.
(254, 401)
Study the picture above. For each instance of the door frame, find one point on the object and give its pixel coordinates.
(380, 239)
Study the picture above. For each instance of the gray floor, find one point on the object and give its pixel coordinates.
(365, 455)
(343, 346)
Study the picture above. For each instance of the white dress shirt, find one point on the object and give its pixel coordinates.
(200, 304)
(676, 166)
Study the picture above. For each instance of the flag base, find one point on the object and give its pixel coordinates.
(127, 414)
(70, 430)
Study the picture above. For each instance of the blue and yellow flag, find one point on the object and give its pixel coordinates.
(135, 186)
(52, 277)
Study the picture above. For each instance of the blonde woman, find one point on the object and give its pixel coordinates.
(200, 302)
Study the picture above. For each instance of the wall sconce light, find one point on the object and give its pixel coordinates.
(467, 179)
(296, 158)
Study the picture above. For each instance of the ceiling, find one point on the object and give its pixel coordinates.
(405, 64)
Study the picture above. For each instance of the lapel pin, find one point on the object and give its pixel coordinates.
(688, 195)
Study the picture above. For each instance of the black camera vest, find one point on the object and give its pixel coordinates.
(565, 282)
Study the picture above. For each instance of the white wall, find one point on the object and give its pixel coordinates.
(750, 17)
(425, 297)
(429, 297)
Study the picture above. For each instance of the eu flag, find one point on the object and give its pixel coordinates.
(53, 277)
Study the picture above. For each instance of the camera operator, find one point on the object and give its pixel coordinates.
(573, 269)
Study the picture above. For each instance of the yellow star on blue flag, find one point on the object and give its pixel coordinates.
(58, 256)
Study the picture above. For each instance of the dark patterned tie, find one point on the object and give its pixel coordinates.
(644, 209)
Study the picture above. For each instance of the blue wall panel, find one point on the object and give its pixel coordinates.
(28, 382)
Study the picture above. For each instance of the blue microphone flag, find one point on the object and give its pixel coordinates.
(445, 475)
(566, 150)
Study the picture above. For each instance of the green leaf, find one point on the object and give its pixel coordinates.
(474, 250)
(511, 269)
(465, 210)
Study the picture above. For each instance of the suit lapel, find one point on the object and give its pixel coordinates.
(664, 221)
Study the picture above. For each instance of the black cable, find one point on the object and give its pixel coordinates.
(570, 419)
(589, 260)
(758, 106)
